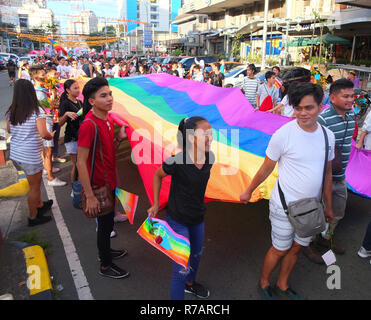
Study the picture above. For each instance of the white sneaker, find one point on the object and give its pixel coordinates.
(363, 253)
(57, 183)
(113, 234)
(58, 159)
(54, 170)
(120, 217)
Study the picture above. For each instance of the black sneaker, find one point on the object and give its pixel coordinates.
(198, 290)
(38, 221)
(116, 254)
(45, 208)
(114, 272)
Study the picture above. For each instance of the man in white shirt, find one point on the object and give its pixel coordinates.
(61, 68)
(299, 149)
(75, 71)
(198, 76)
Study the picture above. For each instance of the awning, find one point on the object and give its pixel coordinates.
(328, 38)
(356, 3)
(251, 26)
(300, 42)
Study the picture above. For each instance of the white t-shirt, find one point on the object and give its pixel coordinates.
(115, 70)
(25, 75)
(367, 127)
(26, 143)
(198, 77)
(301, 156)
(63, 70)
(288, 109)
(76, 73)
(108, 72)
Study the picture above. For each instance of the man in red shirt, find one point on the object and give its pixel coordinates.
(98, 98)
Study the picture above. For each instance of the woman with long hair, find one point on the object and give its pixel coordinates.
(190, 173)
(27, 125)
(69, 108)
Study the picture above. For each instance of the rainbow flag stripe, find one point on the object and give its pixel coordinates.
(174, 245)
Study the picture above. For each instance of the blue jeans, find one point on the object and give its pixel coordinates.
(195, 234)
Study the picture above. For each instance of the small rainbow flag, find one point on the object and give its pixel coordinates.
(159, 234)
(58, 47)
(129, 202)
(278, 84)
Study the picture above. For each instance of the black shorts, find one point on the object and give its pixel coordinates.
(11, 74)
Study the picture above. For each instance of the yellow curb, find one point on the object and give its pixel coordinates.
(18, 189)
(38, 282)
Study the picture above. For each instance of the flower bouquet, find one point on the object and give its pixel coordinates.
(317, 78)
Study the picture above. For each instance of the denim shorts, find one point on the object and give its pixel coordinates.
(71, 147)
(28, 168)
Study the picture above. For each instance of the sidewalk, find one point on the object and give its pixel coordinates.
(16, 258)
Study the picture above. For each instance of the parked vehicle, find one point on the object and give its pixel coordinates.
(32, 56)
(231, 65)
(289, 74)
(187, 62)
(6, 56)
(168, 61)
(29, 59)
(235, 76)
(2, 64)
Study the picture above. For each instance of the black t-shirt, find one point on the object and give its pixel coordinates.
(188, 186)
(72, 129)
(217, 79)
(173, 72)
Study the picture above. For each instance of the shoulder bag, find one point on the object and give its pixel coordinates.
(307, 215)
(103, 193)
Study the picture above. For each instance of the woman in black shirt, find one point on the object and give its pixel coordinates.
(69, 109)
(190, 171)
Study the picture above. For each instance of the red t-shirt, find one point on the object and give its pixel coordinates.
(105, 139)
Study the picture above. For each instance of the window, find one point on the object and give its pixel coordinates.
(155, 24)
(154, 16)
(154, 8)
(23, 20)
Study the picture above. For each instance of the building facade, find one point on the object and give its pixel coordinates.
(287, 19)
(85, 24)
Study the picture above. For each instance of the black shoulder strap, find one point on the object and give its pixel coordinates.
(326, 160)
(282, 197)
(94, 152)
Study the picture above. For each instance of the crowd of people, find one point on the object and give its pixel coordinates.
(37, 113)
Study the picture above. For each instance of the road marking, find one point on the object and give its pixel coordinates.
(78, 275)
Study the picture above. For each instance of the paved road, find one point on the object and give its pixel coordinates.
(6, 95)
(237, 238)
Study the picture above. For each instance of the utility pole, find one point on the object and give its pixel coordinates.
(266, 5)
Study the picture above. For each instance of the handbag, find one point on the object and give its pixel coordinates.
(307, 215)
(337, 163)
(103, 193)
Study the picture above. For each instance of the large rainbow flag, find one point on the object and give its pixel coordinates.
(153, 106)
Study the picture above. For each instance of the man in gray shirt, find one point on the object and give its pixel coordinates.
(267, 89)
